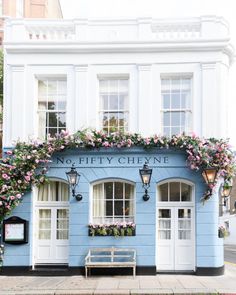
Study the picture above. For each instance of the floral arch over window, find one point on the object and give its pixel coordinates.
(27, 163)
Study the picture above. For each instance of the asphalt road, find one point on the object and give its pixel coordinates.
(230, 253)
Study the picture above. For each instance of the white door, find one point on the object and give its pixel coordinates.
(175, 238)
(52, 236)
(51, 231)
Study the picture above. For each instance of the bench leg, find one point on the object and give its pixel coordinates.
(134, 271)
(86, 272)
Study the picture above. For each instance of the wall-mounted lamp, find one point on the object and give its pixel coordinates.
(145, 174)
(225, 191)
(73, 178)
(209, 174)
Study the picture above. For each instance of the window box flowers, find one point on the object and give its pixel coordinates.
(118, 229)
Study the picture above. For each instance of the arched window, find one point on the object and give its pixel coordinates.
(54, 191)
(175, 191)
(112, 201)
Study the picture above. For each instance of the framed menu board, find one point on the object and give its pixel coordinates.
(15, 230)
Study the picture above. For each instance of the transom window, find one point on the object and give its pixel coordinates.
(176, 105)
(51, 107)
(113, 201)
(54, 191)
(175, 192)
(114, 95)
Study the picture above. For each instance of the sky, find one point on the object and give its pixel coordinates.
(163, 9)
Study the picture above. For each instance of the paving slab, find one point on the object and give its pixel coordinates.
(74, 292)
(111, 292)
(152, 292)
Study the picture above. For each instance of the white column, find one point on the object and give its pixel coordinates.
(144, 100)
(18, 103)
(211, 118)
(81, 96)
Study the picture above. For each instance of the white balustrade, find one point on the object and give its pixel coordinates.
(106, 30)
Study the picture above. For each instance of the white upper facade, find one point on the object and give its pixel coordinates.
(139, 75)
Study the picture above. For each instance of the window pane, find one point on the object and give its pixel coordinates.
(113, 102)
(52, 105)
(129, 191)
(52, 87)
(61, 119)
(166, 119)
(163, 189)
(175, 100)
(109, 208)
(175, 118)
(128, 208)
(164, 213)
(166, 101)
(108, 186)
(175, 83)
(175, 191)
(42, 88)
(118, 208)
(175, 130)
(52, 120)
(184, 213)
(186, 192)
(167, 131)
(123, 85)
(105, 102)
(165, 84)
(119, 190)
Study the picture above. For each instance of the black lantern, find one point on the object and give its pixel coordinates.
(225, 191)
(73, 178)
(209, 175)
(145, 174)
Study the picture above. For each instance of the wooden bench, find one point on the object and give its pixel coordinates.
(110, 257)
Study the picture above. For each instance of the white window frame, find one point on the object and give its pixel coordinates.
(179, 110)
(175, 203)
(46, 111)
(125, 112)
(113, 180)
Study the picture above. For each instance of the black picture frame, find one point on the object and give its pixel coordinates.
(15, 230)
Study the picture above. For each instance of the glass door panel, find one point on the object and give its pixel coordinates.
(164, 224)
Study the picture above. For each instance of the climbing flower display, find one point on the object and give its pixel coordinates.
(27, 163)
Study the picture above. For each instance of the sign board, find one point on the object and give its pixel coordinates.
(15, 230)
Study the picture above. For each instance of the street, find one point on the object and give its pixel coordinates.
(230, 253)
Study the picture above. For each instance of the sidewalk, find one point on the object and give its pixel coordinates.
(122, 285)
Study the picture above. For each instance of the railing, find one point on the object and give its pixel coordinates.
(211, 27)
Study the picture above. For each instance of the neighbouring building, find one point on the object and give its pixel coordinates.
(26, 9)
(142, 75)
(228, 216)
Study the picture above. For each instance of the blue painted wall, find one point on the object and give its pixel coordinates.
(96, 165)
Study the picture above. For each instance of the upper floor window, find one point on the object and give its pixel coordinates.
(176, 105)
(51, 107)
(114, 96)
(175, 191)
(113, 201)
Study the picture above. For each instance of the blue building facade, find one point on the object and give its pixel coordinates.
(174, 230)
